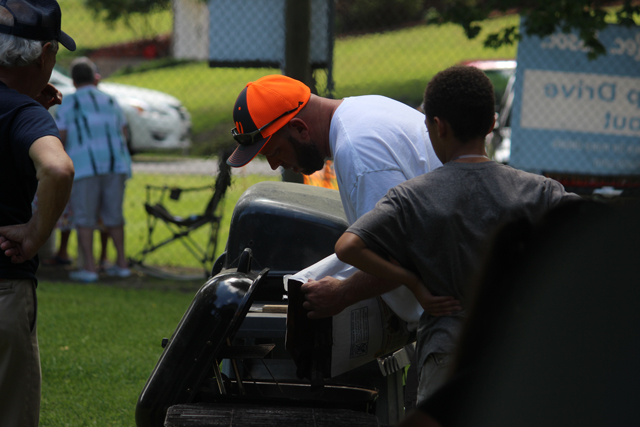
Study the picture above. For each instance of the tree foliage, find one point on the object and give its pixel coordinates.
(114, 10)
(540, 18)
(354, 16)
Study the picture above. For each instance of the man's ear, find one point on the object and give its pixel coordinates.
(45, 50)
(442, 126)
(493, 125)
(299, 128)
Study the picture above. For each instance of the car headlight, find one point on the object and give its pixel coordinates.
(142, 107)
(182, 112)
(137, 104)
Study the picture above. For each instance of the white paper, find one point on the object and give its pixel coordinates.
(400, 300)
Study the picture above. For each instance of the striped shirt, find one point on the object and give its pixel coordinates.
(95, 142)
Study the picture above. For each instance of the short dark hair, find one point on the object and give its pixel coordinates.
(83, 71)
(464, 97)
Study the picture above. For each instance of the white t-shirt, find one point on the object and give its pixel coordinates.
(377, 143)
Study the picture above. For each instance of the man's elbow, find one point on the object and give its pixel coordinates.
(67, 171)
(346, 247)
(62, 172)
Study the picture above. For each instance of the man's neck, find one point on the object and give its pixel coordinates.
(79, 86)
(319, 115)
(469, 152)
(20, 79)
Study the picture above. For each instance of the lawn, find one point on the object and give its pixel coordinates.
(98, 345)
(91, 32)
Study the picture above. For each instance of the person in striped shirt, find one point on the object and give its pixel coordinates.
(93, 129)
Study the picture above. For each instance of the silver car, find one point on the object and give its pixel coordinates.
(157, 120)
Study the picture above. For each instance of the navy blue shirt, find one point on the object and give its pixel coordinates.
(22, 122)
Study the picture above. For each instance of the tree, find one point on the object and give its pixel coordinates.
(353, 16)
(113, 10)
(540, 18)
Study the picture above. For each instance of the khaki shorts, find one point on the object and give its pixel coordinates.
(96, 197)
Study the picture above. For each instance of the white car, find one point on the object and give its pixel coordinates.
(501, 72)
(156, 120)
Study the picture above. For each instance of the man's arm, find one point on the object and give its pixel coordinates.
(329, 296)
(353, 250)
(54, 171)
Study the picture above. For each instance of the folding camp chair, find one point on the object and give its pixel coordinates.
(182, 228)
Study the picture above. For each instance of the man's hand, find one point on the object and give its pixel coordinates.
(436, 306)
(324, 297)
(16, 243)
(49, 96)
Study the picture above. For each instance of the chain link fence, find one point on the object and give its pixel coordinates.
(195, 57)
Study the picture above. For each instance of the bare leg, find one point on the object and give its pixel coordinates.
(64, 243)
(104, 240)
(117, 235)
(85, 243)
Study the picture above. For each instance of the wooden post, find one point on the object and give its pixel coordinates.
(296, 55)
(298, 41)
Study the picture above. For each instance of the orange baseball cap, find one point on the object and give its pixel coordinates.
(263, 108)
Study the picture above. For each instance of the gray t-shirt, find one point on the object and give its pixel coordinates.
(436, 225)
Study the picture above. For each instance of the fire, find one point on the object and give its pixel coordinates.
(325, 177)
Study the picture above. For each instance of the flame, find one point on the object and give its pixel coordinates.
(325, 177)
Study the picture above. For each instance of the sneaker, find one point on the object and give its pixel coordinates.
(115, 271)
(83, 276)
(104, 266)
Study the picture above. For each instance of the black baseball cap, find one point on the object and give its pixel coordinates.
(34, 20)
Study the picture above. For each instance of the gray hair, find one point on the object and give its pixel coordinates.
(18, 52)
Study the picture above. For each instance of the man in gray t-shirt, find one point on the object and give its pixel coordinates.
(434, 226)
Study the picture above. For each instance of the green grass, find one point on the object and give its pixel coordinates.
(90, 33)
(399, 64)
(98, 346)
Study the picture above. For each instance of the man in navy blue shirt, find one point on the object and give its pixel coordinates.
(32, 160)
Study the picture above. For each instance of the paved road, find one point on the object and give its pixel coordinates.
(202, 167)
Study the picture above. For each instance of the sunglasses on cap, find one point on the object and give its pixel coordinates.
(247, 139)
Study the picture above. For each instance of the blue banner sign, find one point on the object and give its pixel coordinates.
(575, 115)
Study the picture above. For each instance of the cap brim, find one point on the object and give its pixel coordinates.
(67, 41)
(245, 153)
